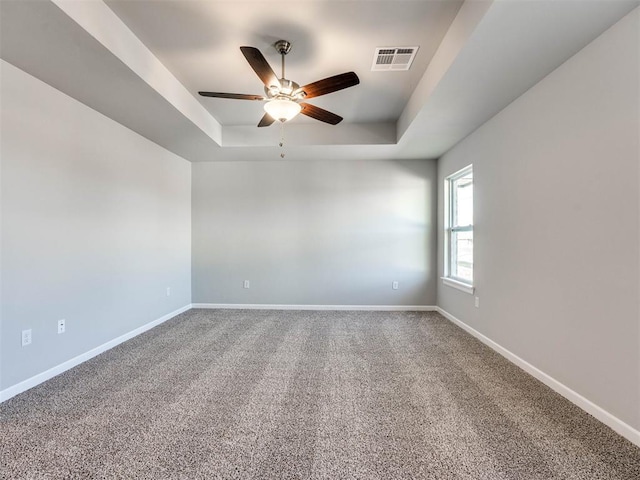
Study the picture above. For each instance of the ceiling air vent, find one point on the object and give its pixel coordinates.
(386, 59)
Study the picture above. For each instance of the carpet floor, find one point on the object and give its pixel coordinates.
(283, 394)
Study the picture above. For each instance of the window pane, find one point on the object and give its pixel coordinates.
(462, 258)
(459, 249)
(463, 200)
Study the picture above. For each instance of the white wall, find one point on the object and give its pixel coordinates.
(95, 226)
(556, 185)
(314, 232)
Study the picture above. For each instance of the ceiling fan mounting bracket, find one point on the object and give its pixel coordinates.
(283, 47)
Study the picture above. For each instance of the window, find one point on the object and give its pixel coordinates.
(459, 230)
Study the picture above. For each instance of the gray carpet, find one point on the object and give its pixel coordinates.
(271, 394)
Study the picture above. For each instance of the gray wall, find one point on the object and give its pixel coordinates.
(314, 232)
(556, 224)
(96, 224)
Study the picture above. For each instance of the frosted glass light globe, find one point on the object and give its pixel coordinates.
(282, 109)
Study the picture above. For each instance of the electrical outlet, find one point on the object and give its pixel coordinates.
(61, 326)
(477, 302)
(168, 291)
(246, 284)
(26, 337)
(394, 285)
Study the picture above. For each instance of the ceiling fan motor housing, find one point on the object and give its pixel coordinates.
(287, 89)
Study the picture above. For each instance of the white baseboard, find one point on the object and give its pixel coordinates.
(14, 390)
(620, 427)
(268, 306)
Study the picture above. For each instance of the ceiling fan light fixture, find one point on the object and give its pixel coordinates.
(282, 109)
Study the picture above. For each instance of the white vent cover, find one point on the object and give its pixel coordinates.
(393, 58)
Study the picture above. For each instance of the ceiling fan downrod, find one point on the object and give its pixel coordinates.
(283, 47)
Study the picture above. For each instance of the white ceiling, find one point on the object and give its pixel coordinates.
(142, 62)
(199, 42)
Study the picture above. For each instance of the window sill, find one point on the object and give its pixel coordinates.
(464, 287)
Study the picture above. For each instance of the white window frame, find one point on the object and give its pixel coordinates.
(449, 279)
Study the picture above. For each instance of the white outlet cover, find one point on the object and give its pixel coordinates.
(62, 325)
(26, 337)
(247, 284)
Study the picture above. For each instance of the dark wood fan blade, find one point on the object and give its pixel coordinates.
(266, 120)
(236, 96)
(260, 66)
(320, 114)
(330, 85)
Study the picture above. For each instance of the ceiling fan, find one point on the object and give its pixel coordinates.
(285, 98)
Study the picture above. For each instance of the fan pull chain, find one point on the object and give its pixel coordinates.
(282, 140)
